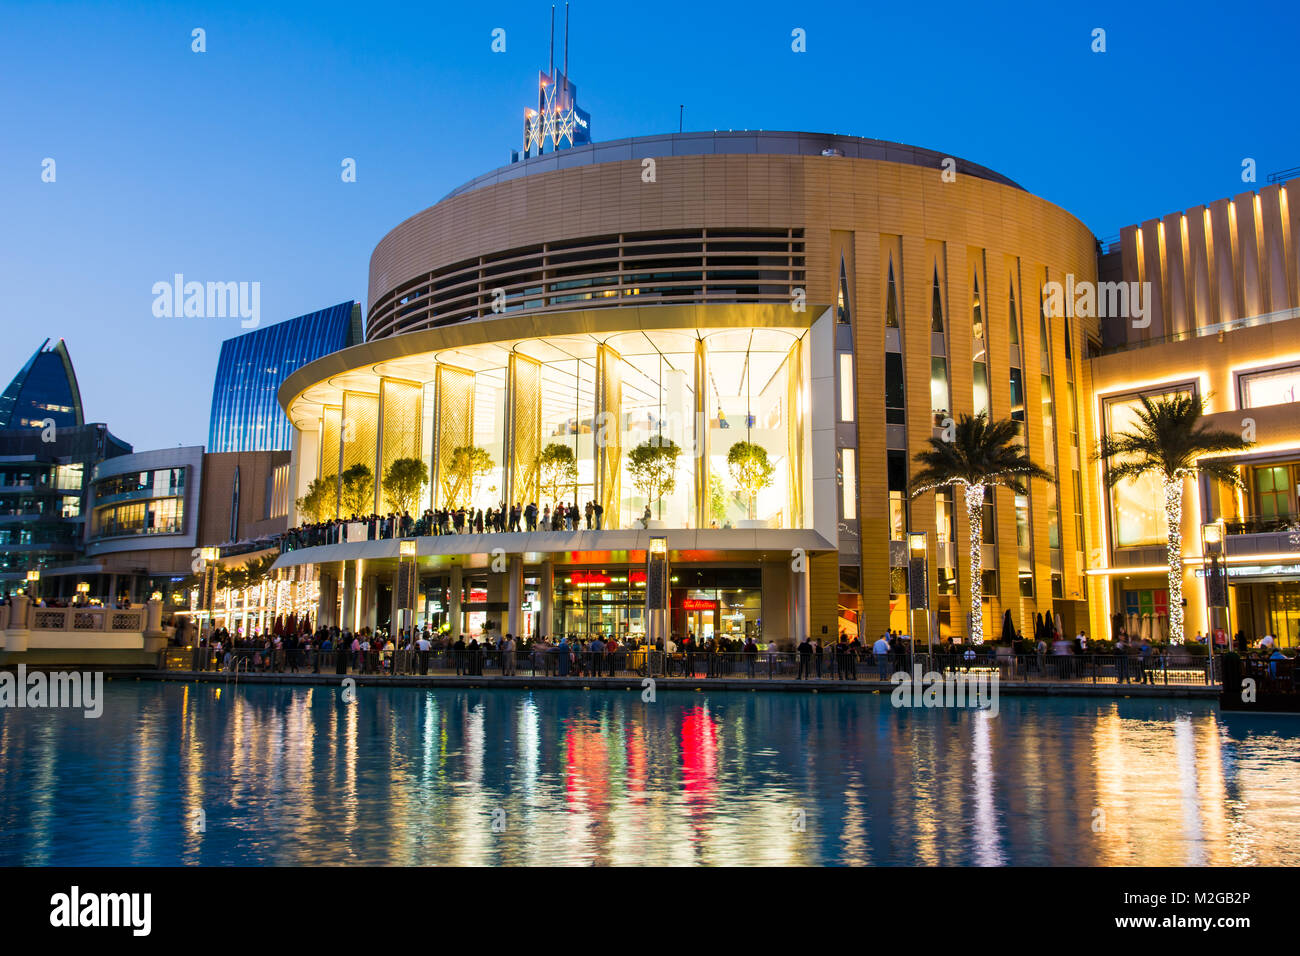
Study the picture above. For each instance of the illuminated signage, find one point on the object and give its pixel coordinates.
(698, 604)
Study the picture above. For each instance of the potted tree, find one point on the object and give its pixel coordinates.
(557, 470)
(358, 490)
(652, 466)
(320, 503)
(752, 471)
(465, 466)
(404, 479)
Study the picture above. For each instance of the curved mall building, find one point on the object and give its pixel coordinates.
(831, 299)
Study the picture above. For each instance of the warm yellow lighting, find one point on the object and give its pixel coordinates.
(1212, 534)
(33, 576)
(156, 596)
(209, 554)
(408, 548)
(658, 545)
(916, 542)
(83, 587)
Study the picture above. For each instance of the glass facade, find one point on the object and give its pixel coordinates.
(44, 390)
(143, 502)
(245, 413)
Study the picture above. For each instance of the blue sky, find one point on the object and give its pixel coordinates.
(225, 165)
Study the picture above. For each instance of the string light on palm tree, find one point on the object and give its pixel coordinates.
(976, 455)
(1171, 441)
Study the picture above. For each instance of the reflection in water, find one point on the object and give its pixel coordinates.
(288, 775)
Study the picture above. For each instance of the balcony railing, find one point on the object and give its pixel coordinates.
(1254, 524)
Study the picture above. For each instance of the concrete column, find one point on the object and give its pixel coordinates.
(111, 597)
(799, 611)
(16, 632)
(515, 595)
(325, 604)
(776, 582)
(349, 595)
(456, 587)
(546, 585)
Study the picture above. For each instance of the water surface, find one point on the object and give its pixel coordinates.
(296, 775)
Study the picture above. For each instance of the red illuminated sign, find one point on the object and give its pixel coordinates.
(636, 577)
(589, 577)
(698, 604)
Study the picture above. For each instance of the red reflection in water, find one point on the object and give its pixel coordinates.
(699, 757)
(637, 766)
(586, 776)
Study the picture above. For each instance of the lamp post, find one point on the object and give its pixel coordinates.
(407, 582)
(918, 583)
(656, 594)
(208, 604)
(83, 592)
(33, 584)
(1216, 578)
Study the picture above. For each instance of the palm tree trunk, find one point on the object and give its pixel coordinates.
(1174, 515)
(975, 516)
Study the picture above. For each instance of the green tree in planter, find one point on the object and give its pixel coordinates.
(717, 498)
(652, 466)
(320, 503)
(403, 482)
(557, 470)
(751, 469)
(466, 465)
(358, 490)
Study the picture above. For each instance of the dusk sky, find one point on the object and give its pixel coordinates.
(225, 165)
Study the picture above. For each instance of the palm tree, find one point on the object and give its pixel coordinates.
(979, 455)
(1168, 440)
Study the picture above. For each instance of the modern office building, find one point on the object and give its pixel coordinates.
(1223, 324)
(143, 525)
(245, 414)
(832, 300)
(151, 510)
(47, 454)
(44, 392)
(43, 503)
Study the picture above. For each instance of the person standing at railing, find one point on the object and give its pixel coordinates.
(1121, 658)
(508, 656)
(881, 650)
(805, 652)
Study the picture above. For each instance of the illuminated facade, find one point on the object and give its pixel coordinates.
(1223, 323)
(831, 300)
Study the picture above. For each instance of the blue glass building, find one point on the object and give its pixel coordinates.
(44, 389)
(245, 414)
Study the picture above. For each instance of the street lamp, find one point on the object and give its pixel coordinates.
(656, 594)
(33, 579)
(918, 583)
(209, 602)
(1216, 577)
(407, 583)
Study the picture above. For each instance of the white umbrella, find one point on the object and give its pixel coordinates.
(1132, 628)
(1159, 632)
(1059, 628)
(1146, 627)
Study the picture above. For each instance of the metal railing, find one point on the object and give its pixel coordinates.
(1176, 668)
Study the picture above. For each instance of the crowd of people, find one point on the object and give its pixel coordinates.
(565, 516)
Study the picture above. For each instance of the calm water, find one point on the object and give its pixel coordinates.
(409, 776)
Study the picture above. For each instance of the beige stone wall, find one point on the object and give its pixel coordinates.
(864, 207)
